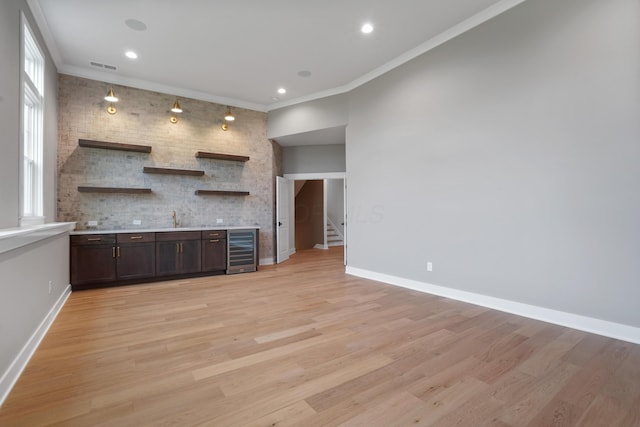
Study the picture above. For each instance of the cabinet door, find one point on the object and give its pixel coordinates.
(136, 260)
(214, 255)
(167, 258)
(92, 264)
(191, 254)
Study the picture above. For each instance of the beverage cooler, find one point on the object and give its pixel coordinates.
(242, 251)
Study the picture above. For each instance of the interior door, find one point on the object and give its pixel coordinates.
(282, 219)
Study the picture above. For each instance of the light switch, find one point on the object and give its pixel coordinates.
(219, 221)
(92, 223)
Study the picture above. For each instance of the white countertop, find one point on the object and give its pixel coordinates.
(162, 230)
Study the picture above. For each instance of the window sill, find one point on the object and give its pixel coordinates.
(14, 238)
(31, 221)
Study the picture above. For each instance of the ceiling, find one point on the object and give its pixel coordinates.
(240, 52)
(327, 136)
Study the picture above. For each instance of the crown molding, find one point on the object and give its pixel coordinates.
(430, 44)
(114, 78)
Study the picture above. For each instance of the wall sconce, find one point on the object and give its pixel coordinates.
(228, 117)
(176, 109)
(111, 97)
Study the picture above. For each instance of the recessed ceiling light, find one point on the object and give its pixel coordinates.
(367, 28)
(131, 54)
(134, 24)
(282, 91)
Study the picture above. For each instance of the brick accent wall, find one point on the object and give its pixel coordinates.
(143, 118)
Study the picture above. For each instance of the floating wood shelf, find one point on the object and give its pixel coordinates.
(114, 190)
(219, 156)
(221, 193)
(114, 146)
(169, 171)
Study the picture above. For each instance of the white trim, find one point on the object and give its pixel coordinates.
(45, 31)
(266, 261)
(30, 221)
(14, 371)
(315, 175)
(319, 246)
(292, 251)
(119, 79)
(324, 214)
(466, 25)
(570, 320)
(13, 238)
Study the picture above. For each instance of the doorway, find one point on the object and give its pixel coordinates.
(317, 217)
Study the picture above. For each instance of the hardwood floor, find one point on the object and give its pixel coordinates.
(304, 344)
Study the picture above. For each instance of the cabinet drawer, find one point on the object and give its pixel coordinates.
(136, 237)
(93, 239)
(177, 235)
(214, 234)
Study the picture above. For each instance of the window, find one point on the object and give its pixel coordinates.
(32, 128)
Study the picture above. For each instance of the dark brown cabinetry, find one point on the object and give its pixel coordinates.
(93, 259)
(178, 252)
(100, 259)
(135, 255)
(214, 250)
(111, 259)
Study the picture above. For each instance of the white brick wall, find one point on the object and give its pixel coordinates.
(143, 118)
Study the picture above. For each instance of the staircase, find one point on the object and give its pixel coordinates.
(334, 237)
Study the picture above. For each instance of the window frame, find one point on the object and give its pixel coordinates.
(32, 89)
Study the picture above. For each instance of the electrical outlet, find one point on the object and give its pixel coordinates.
(137, 222)
(92, 223)
(219, 221)
(429, 266)
(50, 287)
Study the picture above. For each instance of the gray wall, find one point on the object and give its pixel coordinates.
(10, 160)
(314, 158)
(10, 112)
(322, 113)
(24, 296)
(508, 157)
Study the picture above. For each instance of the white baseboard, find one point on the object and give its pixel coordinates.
(320, 246)
(12, 374)
(266, 261)
(574, 321)
(292, 251)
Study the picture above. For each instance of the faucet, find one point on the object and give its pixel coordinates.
(175, 219)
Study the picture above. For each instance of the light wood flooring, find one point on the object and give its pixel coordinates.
(304, 344)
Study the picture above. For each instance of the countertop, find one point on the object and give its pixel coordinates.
(162, 230)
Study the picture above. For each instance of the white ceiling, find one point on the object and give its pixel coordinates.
(239, 52)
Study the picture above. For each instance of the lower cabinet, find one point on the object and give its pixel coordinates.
(135, 256)
(178, 252)
(214, 250)
(93, 259)
(99, 260)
